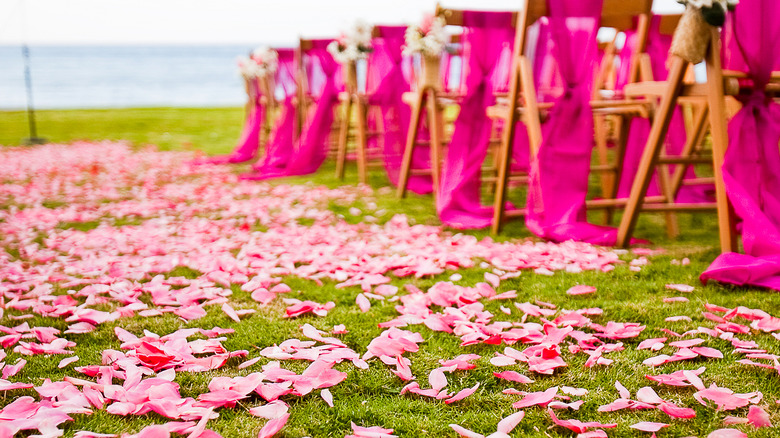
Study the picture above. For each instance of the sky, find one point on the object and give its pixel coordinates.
(197, 22)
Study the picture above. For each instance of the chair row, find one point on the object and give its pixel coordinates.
(535, 93)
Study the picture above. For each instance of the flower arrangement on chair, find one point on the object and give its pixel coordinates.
(350, 47)
(261, 62)
(693, 33)
(428, 38)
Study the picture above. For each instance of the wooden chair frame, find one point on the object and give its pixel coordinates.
(356, 107)
(430, 100)
(719, 84)
(303, 101)
(617, 14)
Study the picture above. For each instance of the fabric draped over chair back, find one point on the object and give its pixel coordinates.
(487, 51)
(280, 142)
(559, 174)
(324, 80)
(657, 49)
(387, 78)
(249, 142)
(751, 170)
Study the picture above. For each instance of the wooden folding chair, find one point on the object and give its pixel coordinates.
(429, 99)
(355, 125)
(713, 94)
(522, 104)
(303, 100)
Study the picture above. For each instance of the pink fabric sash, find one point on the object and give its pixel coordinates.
(280, 142)
(325, 82)
(559, 174)
(487, 53)
(249, 142)
(385, 85)
(657, 49)
(751, 170)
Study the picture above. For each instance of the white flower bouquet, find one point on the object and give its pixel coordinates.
(261, 62)
(352, 46)
(428, 38)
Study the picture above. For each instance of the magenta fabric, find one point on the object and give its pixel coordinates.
(657, 49)
(325, 82)
(385, 85)
(559, 175)
(280, 142)
(487, 44)
(751, 170)
(248, 144)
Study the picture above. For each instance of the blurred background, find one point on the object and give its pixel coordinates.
(181, 53)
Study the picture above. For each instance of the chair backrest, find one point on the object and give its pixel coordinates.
(620, 15)
(457, 17)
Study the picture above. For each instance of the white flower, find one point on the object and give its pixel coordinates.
(247, 68)
(431, 43)
(353, 45)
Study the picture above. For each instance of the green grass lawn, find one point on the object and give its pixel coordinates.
(371, 397)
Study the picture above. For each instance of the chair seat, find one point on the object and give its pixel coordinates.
(410, 97)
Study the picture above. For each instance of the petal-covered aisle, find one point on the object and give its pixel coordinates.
(143, 296)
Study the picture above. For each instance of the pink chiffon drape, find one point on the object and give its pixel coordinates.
(559, 175)
(311, 148)
(280, 142)
(249, 143)
(487, 53)
(751, 170)
(387, 78)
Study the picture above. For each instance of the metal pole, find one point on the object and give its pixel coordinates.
(33, 139)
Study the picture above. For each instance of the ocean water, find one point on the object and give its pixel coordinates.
(122, 76)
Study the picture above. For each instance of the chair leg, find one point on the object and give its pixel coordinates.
(718, 129)
(411, 138)
(607, 177)
(503, 159)
(341, 155)
(622, 130)
(650, 154)
(362, 141)
(664, 180)
(436, 124)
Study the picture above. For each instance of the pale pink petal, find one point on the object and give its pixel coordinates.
(271, 410)
(513, 376)
(249, 363)
(622, 390)
(646, 394)
(508, 423)
(273, 426)
(437, 379)
(465, 432)
(67, 361)
(758, 417)
(707, 352)
(541, 398)
(462, 394)
(363, 303)
(675, 411)
(230, 312)
(649, 426)
(327, 396)
(680, 287)
(581, 289)
(727, 433)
